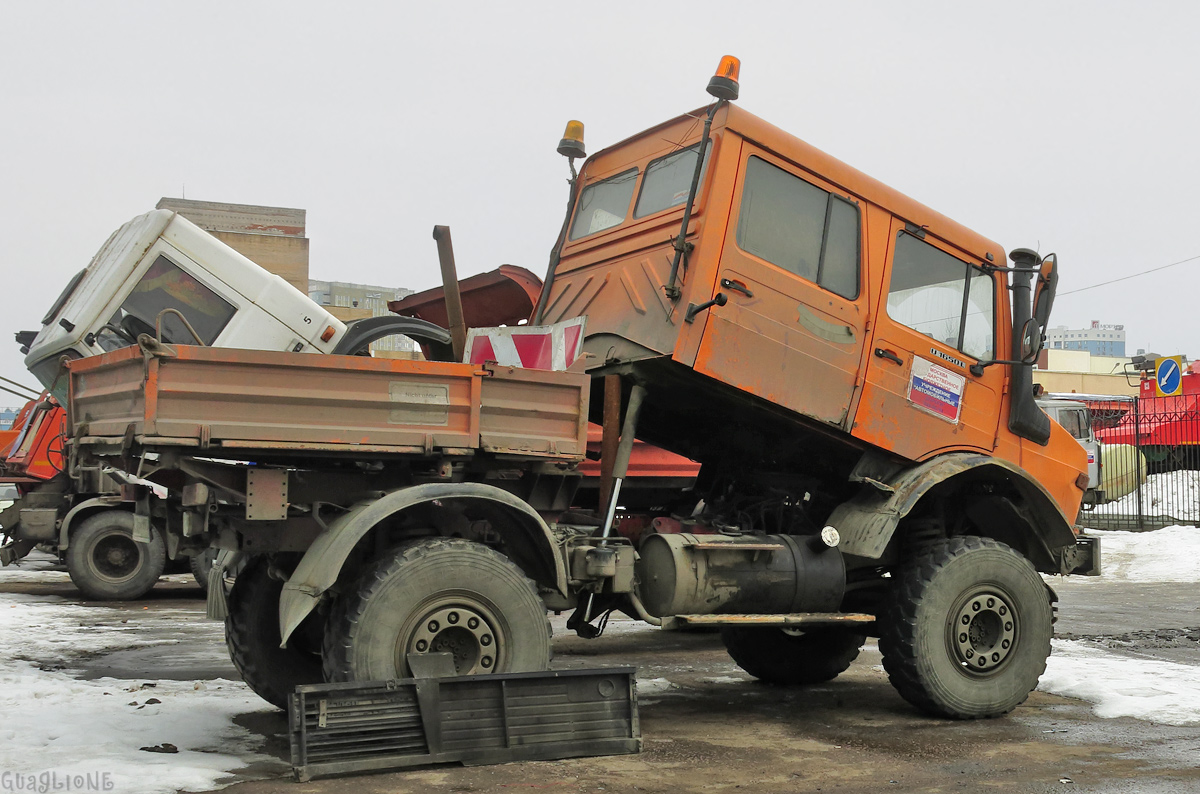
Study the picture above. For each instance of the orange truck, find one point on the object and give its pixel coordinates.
(851, 369)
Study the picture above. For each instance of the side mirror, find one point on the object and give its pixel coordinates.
(1031, 341)
(1047, 286)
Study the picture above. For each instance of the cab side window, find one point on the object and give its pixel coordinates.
(1070, 420)
(799, 227)
(1076, 423)
(942, 297)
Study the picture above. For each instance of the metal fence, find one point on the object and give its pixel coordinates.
(1150, 462)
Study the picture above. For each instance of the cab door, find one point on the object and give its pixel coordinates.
(935, 318)
(792, 329)
(1076, 420)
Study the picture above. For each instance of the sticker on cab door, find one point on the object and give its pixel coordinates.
(935, 389)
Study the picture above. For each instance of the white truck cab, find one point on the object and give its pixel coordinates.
(1114, 470)
(1076, 419)
(161, 263)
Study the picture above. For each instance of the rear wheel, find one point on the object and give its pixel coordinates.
(967, 632)
(779, 656)
(438, 595)
(252, 636)
(105, 562)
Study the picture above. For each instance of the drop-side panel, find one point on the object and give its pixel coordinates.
(221, 398)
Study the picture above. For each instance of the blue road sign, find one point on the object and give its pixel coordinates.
(1168, 373)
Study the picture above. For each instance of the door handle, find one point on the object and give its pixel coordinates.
(889, 355)
(737, 286)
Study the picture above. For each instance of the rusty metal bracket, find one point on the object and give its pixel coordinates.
(266, 494)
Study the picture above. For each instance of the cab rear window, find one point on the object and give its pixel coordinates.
(668, 180)
(605, 204)
(166, 286)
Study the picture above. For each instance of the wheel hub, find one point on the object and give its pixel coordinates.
(115, 556)
(462, 632)
(984, 630)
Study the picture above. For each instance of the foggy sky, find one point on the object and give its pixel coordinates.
(1066, 127)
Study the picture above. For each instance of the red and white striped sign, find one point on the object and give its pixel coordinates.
(553, 347)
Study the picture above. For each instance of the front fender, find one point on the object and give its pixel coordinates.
(867, 522)
(322, 563)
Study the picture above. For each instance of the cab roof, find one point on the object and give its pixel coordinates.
(749, 126)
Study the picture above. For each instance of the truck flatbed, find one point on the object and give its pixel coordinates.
(239, 403)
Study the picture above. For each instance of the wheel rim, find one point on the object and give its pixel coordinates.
(115, 557)
(983, 631)
(469, 631)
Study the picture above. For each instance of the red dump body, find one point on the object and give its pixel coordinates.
(31, 452)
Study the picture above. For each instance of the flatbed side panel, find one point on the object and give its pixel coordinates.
(107, 394)
(213, 397)
(534, 412)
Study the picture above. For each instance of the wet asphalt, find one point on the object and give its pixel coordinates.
(708, 727)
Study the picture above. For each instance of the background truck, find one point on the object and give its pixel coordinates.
(1114, 470)
(851, 370)
(159, 275)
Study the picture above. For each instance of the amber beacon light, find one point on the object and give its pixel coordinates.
(571, 144)
(724, 84)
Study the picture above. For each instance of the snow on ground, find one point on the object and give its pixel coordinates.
(1165, 555)
(1174, 493)
(89, 733)
(1120, 685)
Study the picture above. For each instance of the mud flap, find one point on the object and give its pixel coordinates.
(217, 603)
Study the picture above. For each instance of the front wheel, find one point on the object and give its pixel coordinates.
(107, 564)
(438, 595)
(967, 631)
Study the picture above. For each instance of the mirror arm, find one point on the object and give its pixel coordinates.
(978, 367)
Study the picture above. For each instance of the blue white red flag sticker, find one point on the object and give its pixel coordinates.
(935, 389)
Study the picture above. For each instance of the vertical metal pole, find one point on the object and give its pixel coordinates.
(454, 309)
(556, 252)
(612, 435)
(624, 450)
(620, 467)
(671, 288)
(1137, 436)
